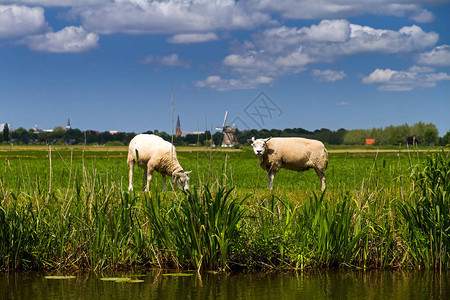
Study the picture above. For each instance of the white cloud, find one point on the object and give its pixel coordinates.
(379, 75)
(18, 21)
(422, 16)
(391, 80)
(61, 3)
(283, 51)
(420, 69)
(311, 9)
(172, 60)
(171, 16)
(242, 11)
(439, 57)
(364, 39)
(328, 75)
(68, 40)
(193, 38)
(278, 39)
(218, 83)
(254, 63)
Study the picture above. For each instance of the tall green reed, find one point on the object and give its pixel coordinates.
(198, 229)
(428, 214)
(377, 216)
(284, 233)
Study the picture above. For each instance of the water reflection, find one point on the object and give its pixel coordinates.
(285, 285)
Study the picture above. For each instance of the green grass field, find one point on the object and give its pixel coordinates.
(68, 207)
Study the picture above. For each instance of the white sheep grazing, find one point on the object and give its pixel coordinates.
(152, 153)
(296, 154)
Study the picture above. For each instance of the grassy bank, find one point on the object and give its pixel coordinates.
(69, 208)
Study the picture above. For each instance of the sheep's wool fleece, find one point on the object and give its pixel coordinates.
(154, 149)
(294, 154)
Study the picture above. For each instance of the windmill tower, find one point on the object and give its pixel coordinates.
(229, 134)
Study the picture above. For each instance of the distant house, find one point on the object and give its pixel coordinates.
(370, 142)
(185, 133)
(37, 130)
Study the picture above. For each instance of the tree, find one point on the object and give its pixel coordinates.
(91, 137)
(73, 136)
(395, 135)
(20, 135)
(164, 135)
(6, 133)
(104, 137)
(32, 136)
(445, 139)
(418, 131)
(58, 129)
(129, 136)
(355, 137)
(430, 135)
(217, 138)
(191, 139)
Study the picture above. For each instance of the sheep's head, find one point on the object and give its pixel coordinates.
(259, 146)
(181, 179)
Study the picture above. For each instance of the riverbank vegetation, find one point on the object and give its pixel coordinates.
(70, 209)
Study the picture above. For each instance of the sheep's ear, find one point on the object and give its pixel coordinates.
(188, 172)
(268, 139)
(250, 141)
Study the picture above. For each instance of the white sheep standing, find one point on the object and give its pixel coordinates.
(298, 154)
(152, 153)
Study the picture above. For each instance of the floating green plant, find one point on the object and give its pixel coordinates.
(60, 277)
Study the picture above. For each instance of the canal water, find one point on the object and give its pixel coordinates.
(157, 284)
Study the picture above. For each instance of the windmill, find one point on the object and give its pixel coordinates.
(229, 134)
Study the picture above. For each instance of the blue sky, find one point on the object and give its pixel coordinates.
(110, 65)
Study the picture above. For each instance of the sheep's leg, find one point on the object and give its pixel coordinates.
(164, 181)
(322, 177)
(130, 175)
(270, 177)
(148, 172)
(148, 178)
(144, 179)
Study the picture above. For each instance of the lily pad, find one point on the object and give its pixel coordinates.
(118, 279)
(136, 281)
(213, 272)
(125, 279)
(60, 277)
(110, 278)
(178, 274)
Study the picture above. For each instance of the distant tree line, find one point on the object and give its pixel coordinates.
(417, 134)
(420, 133)
(61, 136)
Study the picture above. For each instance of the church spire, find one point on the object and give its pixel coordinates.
(178, 129)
